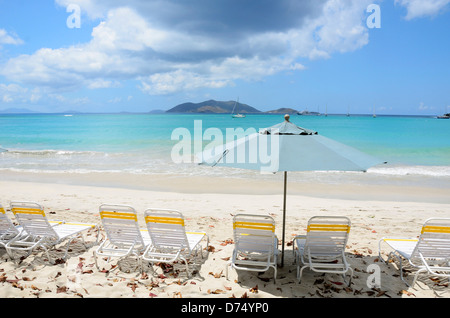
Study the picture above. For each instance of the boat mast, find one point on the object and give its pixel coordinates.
(235, 103)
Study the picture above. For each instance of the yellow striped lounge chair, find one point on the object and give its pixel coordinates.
(39, 232)
(428, 253)
(322, 249)
(169, 239)
(123, 235)
(256, 245)
(7, 229)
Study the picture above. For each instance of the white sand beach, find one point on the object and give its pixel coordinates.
(209, 205)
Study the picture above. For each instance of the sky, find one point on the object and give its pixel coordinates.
(361, 56)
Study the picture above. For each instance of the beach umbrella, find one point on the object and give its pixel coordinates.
(286, 147)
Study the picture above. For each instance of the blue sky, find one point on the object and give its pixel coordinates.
(141, 55)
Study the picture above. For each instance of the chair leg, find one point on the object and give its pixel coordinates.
(84, 241)
(416, 275)
(95, 259)
(67, 247)
(351, 276)
(401, 270)
(138, 259)
(187, 266)
(10, 253)
(140, 264)
(275, 274)
(300, 273)
(149, 264)
(226, 269)
(48, 255)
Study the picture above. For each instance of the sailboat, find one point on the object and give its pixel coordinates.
(236, 115)
(374, 115)
(445, 116)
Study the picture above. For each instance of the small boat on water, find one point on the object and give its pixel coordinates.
(308, 113)
(237, 115)
(445, 116)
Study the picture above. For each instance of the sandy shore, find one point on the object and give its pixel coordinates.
(375, 212)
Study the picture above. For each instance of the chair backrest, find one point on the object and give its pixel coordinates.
(32, 218)
(254, 233)
(434, 241)
(7, 228)
(121, 224)
(327, 235)
(166, 229)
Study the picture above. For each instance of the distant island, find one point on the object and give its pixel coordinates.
(221, 107)
(213, 107)
(289, 111)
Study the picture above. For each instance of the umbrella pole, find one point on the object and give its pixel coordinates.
(284, 219)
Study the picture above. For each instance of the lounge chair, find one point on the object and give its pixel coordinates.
(169, 239)
(7, 229)
(428, 253)
(322, 249)
(38, 231)
(123, 235)
(256, 245)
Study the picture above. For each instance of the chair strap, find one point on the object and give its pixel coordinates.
(254, 226)
(329, 227)
(28, 211)
(164, 220)
(118, 215)
(435, 229)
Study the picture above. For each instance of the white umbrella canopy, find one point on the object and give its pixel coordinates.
(287, 147)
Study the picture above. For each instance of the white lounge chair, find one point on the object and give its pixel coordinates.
(169, 239)
(256, 245)
(7, 229)
(123, 235)
(428, 253)
(322, 249)
(38, 231)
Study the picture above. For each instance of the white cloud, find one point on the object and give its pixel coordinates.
(297, 66)
(10, 93)
(171, 82)
(422, 8)
(101, 83)
(169, 49)
(67, 102)
(6, 38)
(115, 100)
(342, 26)
(424, 107)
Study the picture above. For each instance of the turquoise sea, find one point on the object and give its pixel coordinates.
(142, 143)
